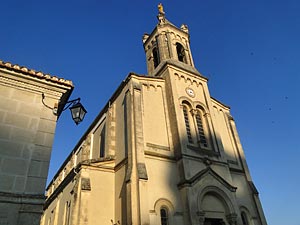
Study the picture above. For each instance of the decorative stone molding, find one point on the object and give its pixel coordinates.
(157, 147)
(207, 161)
(128, 173)
(21, 198)
(21, 85)
(188, 78)
(142, 171)
(163, 202)
(136, 85)
(184, 28)
(201, 175)
(154, 85)
(145, 37)
(85, 184)
(232, 218)
(201, 217)
(86, 147)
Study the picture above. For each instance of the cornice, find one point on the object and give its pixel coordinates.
(177, 65)
(22, 85)
(61, 186)
(218, 102)
(37, 74)
(22, 198)
(190, 182)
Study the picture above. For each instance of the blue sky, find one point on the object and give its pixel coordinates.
(249, 50)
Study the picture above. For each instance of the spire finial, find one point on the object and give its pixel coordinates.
(161, 14)
(160, 9)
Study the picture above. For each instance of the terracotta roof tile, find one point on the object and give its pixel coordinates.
(31, 72)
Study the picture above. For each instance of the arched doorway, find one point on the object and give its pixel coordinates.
(215, 207)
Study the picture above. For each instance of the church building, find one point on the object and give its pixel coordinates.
(161, 152)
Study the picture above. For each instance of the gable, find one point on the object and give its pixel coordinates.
(204, 174)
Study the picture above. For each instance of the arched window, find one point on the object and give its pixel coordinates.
(200, 128)
(164, 211)
(102, 141)
(164, 216)
(156, 59)
(185, 110)
(197, 127)
(244, 218)
(203, 131)
(180, 53)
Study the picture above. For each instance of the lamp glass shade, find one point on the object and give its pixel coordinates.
(78, 112)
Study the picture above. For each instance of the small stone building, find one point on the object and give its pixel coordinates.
(27, 126)
(161, 152)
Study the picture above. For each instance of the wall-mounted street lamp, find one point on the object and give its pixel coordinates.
(77, 110)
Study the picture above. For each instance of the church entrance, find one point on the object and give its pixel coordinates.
(209, 221)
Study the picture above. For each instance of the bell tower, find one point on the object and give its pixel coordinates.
(167, 43)
(213, 178)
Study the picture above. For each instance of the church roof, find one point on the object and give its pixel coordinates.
(37, 74)
(98, 117)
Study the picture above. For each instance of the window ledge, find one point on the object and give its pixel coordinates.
(203, 151)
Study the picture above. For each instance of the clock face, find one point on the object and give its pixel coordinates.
(190, 92)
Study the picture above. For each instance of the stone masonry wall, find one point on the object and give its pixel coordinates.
(27, 130)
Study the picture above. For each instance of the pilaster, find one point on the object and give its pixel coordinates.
(141, 166)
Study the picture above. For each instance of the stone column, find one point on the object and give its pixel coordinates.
(201, 217)
(232, 219)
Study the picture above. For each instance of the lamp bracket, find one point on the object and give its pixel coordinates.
(49, 107)
(69, 103)
(77, 110)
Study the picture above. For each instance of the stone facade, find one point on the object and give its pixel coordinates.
(162, 151)
(27, 129)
